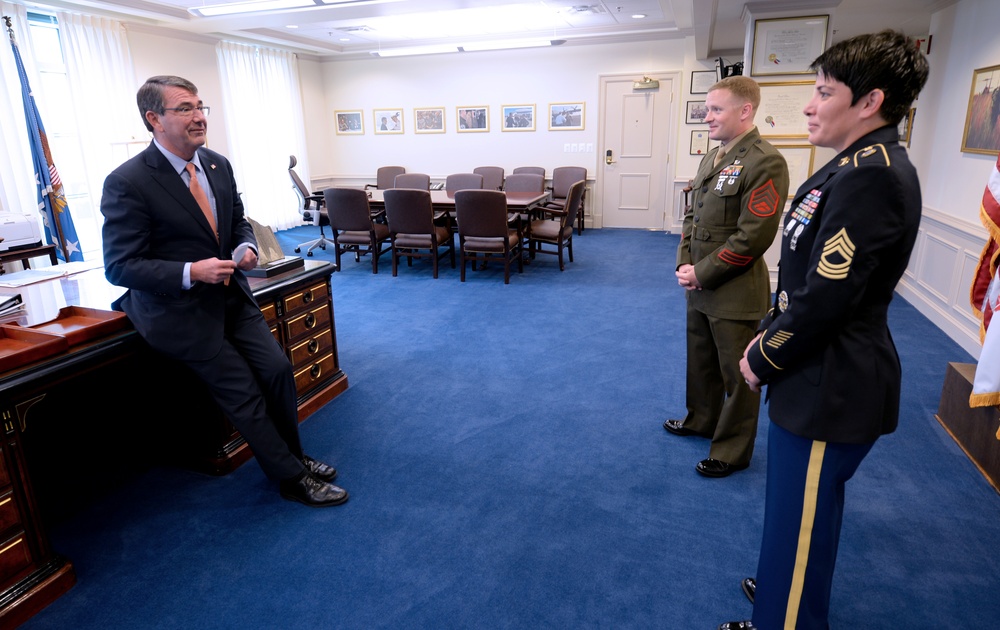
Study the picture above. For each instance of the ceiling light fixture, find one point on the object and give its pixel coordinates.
(251, 7)
(638, 16)
(511, 44)
(414, 50)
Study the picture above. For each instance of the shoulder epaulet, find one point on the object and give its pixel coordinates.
(874, 154)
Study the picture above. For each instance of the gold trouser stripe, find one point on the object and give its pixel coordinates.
(805, 533)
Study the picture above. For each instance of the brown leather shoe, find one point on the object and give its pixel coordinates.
(717, 468)
(318, 469)
(312, 492)
(677, 428)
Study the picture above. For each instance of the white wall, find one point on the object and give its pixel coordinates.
(531, 76)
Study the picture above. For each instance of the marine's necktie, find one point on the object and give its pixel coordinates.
(199, 195)
(719, 155)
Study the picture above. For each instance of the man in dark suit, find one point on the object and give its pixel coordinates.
(825, 352)
(175, 236)
(739, 191)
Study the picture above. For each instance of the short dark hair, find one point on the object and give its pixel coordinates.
(149, 98)
(888, 61)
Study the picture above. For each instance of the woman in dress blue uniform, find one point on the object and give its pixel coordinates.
(825, 352)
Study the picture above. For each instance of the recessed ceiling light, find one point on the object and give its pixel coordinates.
(638, 16)
(291, 26)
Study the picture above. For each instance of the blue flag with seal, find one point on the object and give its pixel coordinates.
(56, 219)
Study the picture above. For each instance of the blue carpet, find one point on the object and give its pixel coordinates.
(508, 469)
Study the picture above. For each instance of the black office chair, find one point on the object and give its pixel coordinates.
(316, 216)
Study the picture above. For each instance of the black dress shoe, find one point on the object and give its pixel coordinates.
(737, 625)
(313, 492)
(749, 588)
(717, 468)
(677, 428)
(319, 470)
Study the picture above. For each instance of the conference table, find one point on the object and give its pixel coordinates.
(444, 200)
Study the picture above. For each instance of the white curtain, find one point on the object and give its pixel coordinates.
(17, 178)
(102, 82)
(264, 121)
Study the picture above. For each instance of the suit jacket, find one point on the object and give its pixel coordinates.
(831, 367)
(152, 226)
(732, 220)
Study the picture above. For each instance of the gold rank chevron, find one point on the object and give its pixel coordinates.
(837, 246)
(779, 338)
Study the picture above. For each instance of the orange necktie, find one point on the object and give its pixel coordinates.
(201, 198)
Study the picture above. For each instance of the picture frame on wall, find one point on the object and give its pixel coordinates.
(388, 120)
(517, 117)
(701, 80)
(428, 120)
(473, 118)
(906, 126)
(780, 112)
(349, 122)
(566, 116)
(801, 162)
(787, 45)
(699, 142)
(981, 135)
(696, 112)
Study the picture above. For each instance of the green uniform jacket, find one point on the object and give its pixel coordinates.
(734, 215)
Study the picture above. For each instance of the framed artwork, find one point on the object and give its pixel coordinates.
(701, 80)
(476, 118)
(566, 116)
(699, 142)
(982, 133)
(800, 159)
(428, 120)
(518, 118)
(787, 45)
(781, 104)
(906, 126)
(349, 122)
(388, 120)
(696, 112)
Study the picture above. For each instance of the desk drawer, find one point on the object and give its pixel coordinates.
(311, 349)
(308, 323)
(270, 312)
(314, 373)
(303, 299)
(14, 556)
(9, 514)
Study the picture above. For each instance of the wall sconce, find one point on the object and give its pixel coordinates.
(646, 84)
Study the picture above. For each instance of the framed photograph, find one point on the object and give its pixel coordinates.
(906, 126)
(566, 116)
(428, 120)
(787, 45)
(518, 117)
(388, 120)
(982, 134)
(701, 80)
(696, 112)
(699, 142)
(475, 118)
(781, 104)
(800, 159)
(349, 122)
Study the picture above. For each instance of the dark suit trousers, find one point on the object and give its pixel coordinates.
(719, 402)
(252, 382)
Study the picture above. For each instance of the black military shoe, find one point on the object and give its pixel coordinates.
(749, 588)
(318, 469)
(313, 492)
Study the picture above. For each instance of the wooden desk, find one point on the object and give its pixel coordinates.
(109, 408)
(25, 254)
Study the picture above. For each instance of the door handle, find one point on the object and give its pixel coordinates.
(607, 157)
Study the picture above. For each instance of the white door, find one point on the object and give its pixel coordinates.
(635, 139)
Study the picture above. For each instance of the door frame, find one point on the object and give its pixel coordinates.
(674, 76)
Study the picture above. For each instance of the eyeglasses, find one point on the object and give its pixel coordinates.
(186, 111)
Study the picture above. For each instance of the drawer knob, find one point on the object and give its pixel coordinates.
(313, 346)
(310, 321)
(315, 370)
(307, 297)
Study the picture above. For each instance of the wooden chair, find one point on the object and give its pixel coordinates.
(353, 227)
(492, 176)
(418, 181)
(385, 177)
(562, 178)
(483, 231)
(557, 231)
(412, 228)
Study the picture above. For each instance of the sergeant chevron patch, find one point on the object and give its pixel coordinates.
(764, 200)
(838, 253)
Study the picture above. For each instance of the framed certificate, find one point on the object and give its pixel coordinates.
(699, 142)
(701, 80)
(800, 159)
(781, 104)
(787, 45)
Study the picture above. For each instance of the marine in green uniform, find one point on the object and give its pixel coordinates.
(739, 192)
